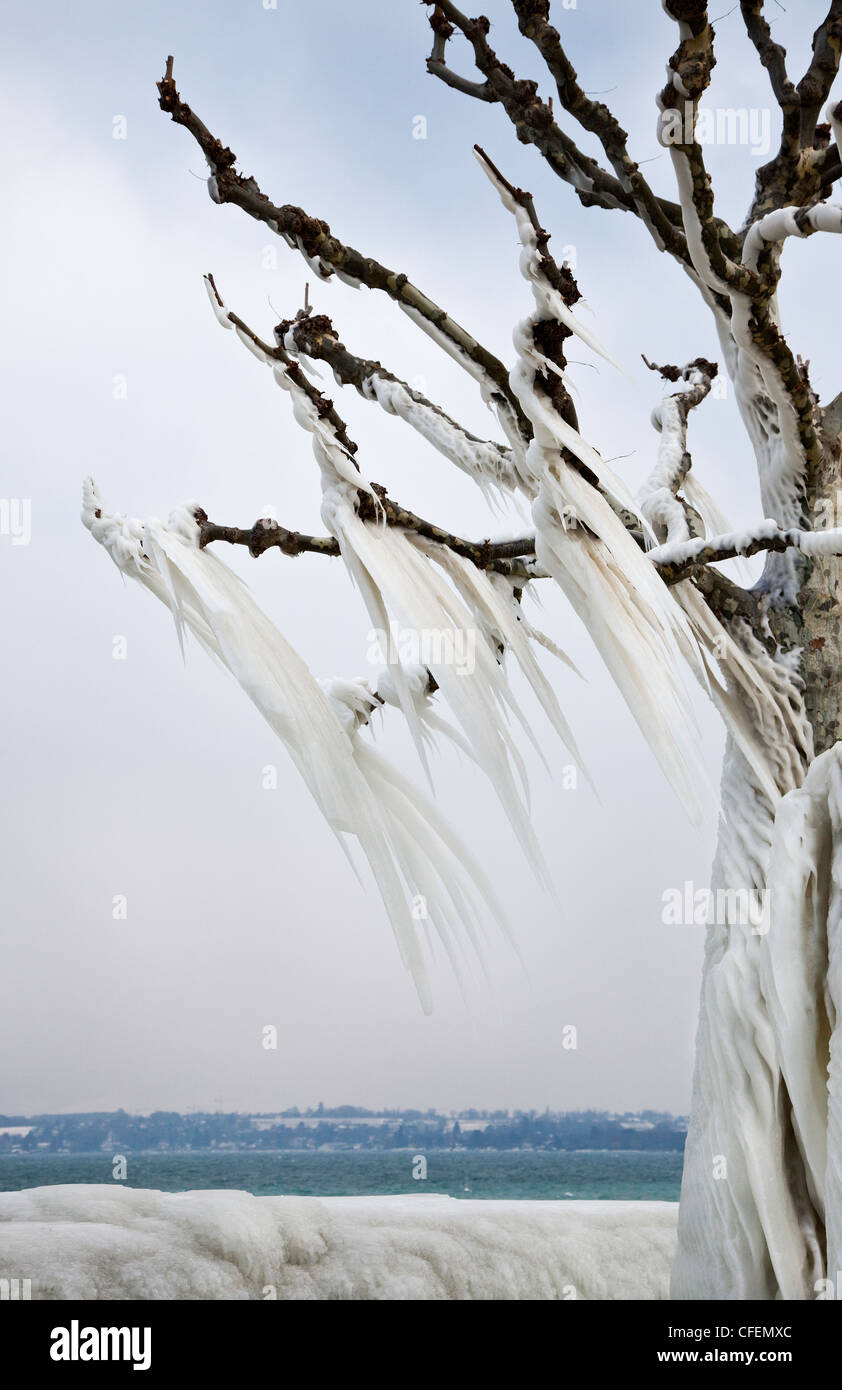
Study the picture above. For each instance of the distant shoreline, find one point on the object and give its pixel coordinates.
(345, 1127)
(324, 1148)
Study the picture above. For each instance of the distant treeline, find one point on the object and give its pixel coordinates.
(343, 1127)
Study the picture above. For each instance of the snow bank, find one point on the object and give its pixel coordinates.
(105, 1241)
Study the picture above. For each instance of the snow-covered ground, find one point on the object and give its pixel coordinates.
(107, 1241)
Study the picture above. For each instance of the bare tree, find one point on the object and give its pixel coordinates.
(761, 1201)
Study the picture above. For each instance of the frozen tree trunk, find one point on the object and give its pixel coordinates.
(754, 1204)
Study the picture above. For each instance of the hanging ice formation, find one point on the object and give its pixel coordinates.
(401, 579)
(629, 612)
(426, 876)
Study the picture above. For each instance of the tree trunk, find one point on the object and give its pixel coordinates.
(751, 1225)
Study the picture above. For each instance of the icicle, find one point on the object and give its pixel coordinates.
(630, 644)
(752, 694)
(487, 463)
(498, 618)
(489, 389)
(635, 623)
(395, 578)
(549, 302)
(422, 871)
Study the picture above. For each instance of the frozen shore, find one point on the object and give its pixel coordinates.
(107, 1241)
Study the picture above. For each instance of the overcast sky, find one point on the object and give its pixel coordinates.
(144, 778)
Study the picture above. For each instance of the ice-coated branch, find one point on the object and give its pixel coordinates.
(501, 556)
(491, 465)
(768, 377)
(327, 255)
(372, 501)
(775, 227)
(676, 560)
(287, 371)
(514, 559)
(832, 418)
(411, 850)
(729, 601)
(658, 497)
(713, 248)
(639, 630)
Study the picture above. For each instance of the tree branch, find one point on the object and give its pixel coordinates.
(677, 561)
(814, 87)
(515, 558)
(327, 255)
(486, 554)
(775, 179)
(670, 516)
(662, 219)
(486, 461)
(805, 160)
(264, 535)
(534, 124)
(689, 71)
(501, 557)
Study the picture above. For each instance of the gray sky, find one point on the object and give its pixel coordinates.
(142, 777)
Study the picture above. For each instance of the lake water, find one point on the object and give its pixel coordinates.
(551, 1176)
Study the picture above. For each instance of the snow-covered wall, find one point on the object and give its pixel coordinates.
(105, 1241)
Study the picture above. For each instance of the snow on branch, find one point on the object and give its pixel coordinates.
(676, 560)
(775, 227)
